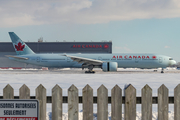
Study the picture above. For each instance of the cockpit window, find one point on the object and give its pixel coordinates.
(170, 58)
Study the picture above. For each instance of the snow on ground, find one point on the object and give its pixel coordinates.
(138, 116)
(49, 79)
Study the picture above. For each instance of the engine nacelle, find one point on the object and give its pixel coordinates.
(109, 66)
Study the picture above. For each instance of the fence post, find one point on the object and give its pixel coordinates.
(102, 103)
(163, 101)
(116, 103)
(130, 103)
(41, 96)
(57, 101)
(177, 103)
(8, 92)
(87, 103)
(24, 92)
(73, 102)
(146, 106)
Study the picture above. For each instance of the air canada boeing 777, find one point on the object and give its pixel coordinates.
(107, 62)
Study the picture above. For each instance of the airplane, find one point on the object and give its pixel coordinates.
(107, 62)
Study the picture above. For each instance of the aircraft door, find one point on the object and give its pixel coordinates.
(136, 60)
(160, 59)
(68, 59)
(99, 58)
(38, 59)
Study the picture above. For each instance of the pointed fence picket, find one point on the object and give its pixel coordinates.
(8, 92)
(41, 96)
(163, 103)
(102, 100)
(116, 103)
(73, 101)
(102, 103)
(146, 99)
(24, 92)
(177, 103)
(130, 103)
(57, 101)
(87, 103)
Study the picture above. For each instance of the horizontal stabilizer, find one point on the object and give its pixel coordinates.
(17, 57)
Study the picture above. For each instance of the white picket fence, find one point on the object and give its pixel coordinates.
(102, 100)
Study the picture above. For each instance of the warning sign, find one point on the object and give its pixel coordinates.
(19, 109)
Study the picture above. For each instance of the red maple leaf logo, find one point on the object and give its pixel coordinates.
(19, 47)
(154, 57)
(106, 46)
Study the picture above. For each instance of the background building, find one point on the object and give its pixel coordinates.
(6, 48)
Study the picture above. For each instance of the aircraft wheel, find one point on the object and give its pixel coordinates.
(89, 71)
(92, 71)
(162, 70)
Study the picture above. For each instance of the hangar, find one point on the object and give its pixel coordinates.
(6, 48)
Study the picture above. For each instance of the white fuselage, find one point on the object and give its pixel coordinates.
(124, 60)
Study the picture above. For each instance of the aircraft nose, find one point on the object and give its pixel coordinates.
(172, 62)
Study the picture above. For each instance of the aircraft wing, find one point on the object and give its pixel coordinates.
(85, 61)
(17, 57)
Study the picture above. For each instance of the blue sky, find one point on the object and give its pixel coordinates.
(134, 26)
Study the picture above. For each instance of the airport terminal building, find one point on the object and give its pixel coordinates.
(6, 48)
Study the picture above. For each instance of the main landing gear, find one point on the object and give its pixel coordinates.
(90, 67)
(90, 71)
(155, 70)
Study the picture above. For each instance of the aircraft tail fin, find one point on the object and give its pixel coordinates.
(20, 47)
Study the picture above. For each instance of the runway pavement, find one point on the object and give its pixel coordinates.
(80, 71)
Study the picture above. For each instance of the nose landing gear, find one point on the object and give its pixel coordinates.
(162, 71)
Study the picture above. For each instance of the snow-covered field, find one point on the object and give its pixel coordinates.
(138, 116)
(138, 79)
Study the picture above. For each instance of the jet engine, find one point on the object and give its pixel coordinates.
(109, 66)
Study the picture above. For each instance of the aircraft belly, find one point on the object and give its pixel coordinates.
(138, 64)
(59, 64)
(126, 64)
(55, 64)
